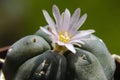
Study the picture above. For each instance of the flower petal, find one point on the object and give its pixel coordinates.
(53, 37)
(60, 43)
(70, 47)
(80, 22)
(56, 14)
(75, 15)
(46, 31)
(74, 19)
(59, 29)
(82, 34)
(76, 41)
(87, 38)
(66, 20)
(50, 21)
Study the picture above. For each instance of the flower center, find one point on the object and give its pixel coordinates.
(64, 37)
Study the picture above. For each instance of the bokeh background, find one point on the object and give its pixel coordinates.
(19, 18)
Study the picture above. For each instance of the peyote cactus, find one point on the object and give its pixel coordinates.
(59, 52)
(21, 51)
(50, 65)
(84, 66)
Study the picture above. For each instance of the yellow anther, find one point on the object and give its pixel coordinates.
(64, 37)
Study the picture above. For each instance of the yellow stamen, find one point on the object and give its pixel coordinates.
(64, 37)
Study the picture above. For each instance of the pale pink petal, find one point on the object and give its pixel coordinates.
(46, 31)
(87, 38)
(59, 29)
(75, 16)
(50, 21)
(70, 47)
(76, 41)
(53, 37)
(56, 14)
(82, 34)
(80, 22)
(60, 43)
(66, 20)
(74, 19)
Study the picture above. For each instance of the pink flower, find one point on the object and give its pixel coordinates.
(64, 31)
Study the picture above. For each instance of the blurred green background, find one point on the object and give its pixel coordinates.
(19, 18)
